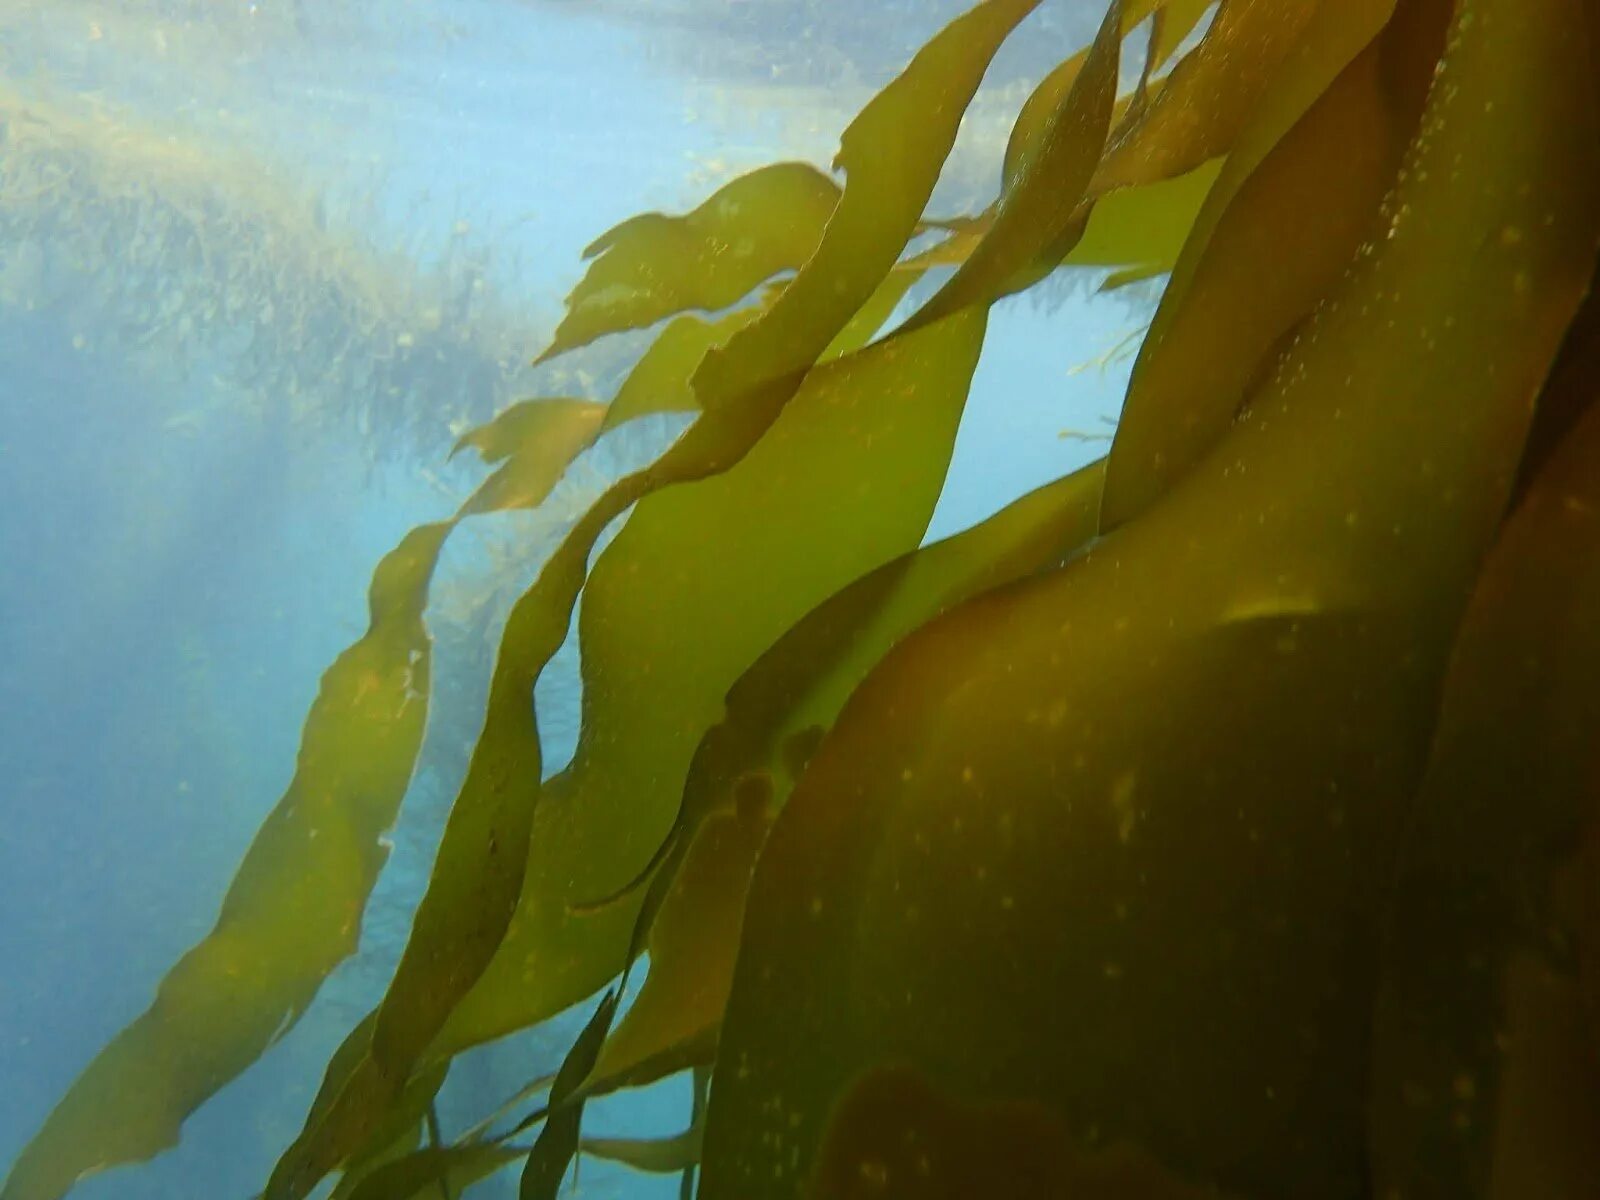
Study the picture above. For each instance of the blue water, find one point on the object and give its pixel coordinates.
(175, 584)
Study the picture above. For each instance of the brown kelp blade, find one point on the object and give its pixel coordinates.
(1210, 95)
(291, 914)
(658, 733)
(1108, 840)
(558, 1141)
(1307, 210)
(1042, 196)
(293, 911)
(418, 1176)
(1486, 1076)
(702, 579)
(653, 1156)
(654, 266)
(895, 1136)
(746, 765)
(482, 860)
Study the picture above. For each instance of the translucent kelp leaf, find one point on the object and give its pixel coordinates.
(294, 908)
(402, 1134)
(655, 1156)
(1487, 1064)
(546, 436)
(745, 766)
(892, 154)
(745, 554)
(894, 1136)
(1041, 198)
(652, 266)
(1289, 234)
(1144, 227)
(1178, 19)
(419, 1176)
(1209, 96)
(1110, 839)
(659, 381)
(1139, 218)
(1142, 230)
(292, 913)
(1181, 18)
(903, 131)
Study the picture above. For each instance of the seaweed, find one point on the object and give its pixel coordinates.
(1215, 820)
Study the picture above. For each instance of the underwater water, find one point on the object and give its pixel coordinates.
(1027, 630)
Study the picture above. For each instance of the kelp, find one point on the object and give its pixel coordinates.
(746, 765)
(1106, 840)
(1484, 1081)
(743, 386)
(653, 266)
(1071, 854)
(1222, 315)
(293, 911)
(895, 1135)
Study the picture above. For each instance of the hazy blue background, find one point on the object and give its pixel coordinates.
(195, 482)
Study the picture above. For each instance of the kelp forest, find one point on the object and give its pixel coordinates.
(1221, 819)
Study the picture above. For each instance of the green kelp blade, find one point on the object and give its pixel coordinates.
(401, 1135)
(895, 1136)
(1111, 839)
(892, 154)
(652, 266)
(552, 1153)
(418, 1176)
(653, 1156)
(746, 765)
(1137, 229)
(294, 908)
(1152, 201)
(1210, 94)
(1487, 1063)
(548, 435)
(1289, 235)
(744, 554)
(358, 1172)
(1144, 227)
(659, 381)
(898, 142)
(516, 428)
(1179, 18)
(887, 186)
(291, 914)
(1040, 200)
(1028, 130)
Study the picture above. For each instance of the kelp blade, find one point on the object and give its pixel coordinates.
(745, 767)
(895, 1136)
(292, 913)
(654, 266)
(745, 554)
(1088, 841)
(482, 860)
(1487, 1059)
(1308, 211)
